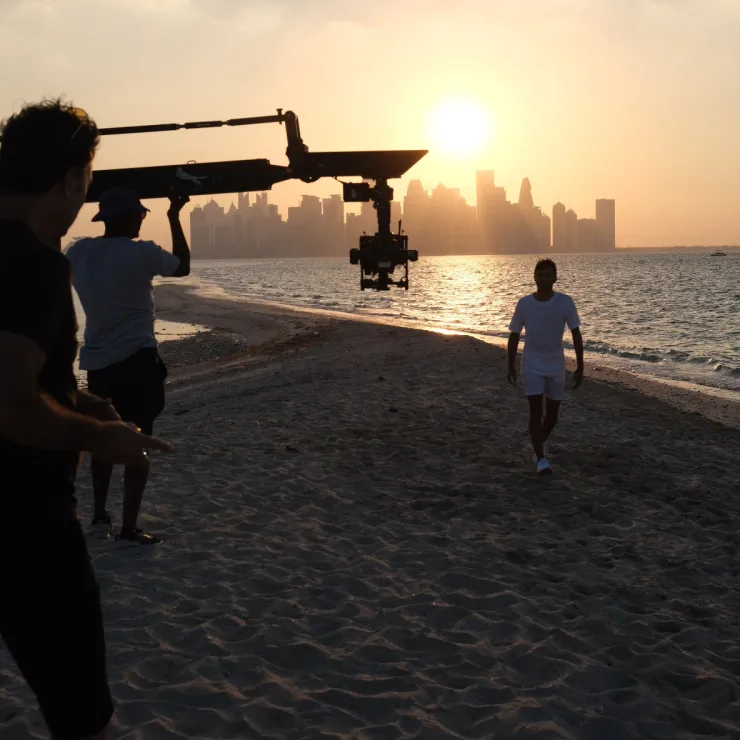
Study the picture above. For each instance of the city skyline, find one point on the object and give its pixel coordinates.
(440, 222)
(637, 100)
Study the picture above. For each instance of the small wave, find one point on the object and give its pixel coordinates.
(721, 367)
(679, 355)
(381, 314)
(642, 356)
(674, 356)
(492, 333)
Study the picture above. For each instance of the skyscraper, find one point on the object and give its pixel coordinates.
(605, 225)
(485, 186)
(525, 194)
(587, 236)
(333, 224)
(571, 231)
(333, 209)
(200, 241)
(542, 228)
(415, 210)
(486, 207)
(559, 229)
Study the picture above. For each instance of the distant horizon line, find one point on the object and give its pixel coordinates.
(699, 248)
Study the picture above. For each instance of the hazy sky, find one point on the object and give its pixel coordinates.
(638, 100)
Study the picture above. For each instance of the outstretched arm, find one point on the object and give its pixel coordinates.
(512, 347)
(179, 243)
(578, 346)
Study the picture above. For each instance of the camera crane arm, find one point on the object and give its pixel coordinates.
(116, 130)
(296, 147)
(378, 255)
(245, 175)
(207, 178)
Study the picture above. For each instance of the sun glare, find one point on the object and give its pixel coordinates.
(460, 128)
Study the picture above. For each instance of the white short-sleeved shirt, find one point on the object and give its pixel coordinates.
(113, 279)
(544, 323)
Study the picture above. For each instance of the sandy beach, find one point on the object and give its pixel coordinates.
(356, 546)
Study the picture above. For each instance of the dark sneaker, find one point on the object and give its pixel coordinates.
(137, 537)
(101, 526)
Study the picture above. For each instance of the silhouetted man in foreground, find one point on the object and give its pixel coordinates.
(113, 275)
(544, 315)
(50, 616)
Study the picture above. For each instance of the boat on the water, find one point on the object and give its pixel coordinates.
(718, 254)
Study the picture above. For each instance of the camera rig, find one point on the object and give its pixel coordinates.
(378, 255)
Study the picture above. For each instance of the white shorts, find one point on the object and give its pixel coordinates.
(535, 384)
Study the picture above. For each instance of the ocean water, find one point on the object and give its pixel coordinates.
(672, 316)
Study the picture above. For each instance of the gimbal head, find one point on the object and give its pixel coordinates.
(380, 254)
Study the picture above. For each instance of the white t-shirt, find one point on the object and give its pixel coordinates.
(544, 323)
(113, 278)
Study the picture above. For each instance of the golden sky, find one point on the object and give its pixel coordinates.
(637, 100)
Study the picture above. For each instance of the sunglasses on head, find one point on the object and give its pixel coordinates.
(83, 118)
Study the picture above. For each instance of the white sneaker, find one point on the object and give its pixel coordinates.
(543, 467)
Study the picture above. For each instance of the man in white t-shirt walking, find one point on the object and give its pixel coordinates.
(112, 275)
(544, 316)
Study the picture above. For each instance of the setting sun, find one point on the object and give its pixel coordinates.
(460, 128)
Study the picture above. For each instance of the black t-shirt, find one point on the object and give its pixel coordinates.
(36, 302)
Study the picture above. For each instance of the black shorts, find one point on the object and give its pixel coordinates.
(135, 387)
(52, 623)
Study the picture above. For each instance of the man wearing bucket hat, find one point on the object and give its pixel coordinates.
(113, 276)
